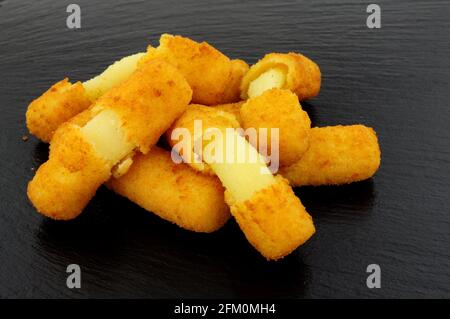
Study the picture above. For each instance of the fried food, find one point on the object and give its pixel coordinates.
(290, 71)
(280, 109)
(233, 108)
(65, 100)
(130, 117)
(337, 155)
(272, 218)
(194, 121)
(213, 77)
(174, 192)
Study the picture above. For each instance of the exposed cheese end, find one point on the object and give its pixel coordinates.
(122, 167)
(114, 74)
(105, 133)
(272, 78)
(242, 175)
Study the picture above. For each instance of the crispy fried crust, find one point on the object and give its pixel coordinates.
(207, 70)
(148, 102)
(64, 184)
(280, 109)
(175, 192)
(337, 155)
(274, 220)
(210, 118)
(233, 108)
(57, 105)
(232, 93)
(302, 74)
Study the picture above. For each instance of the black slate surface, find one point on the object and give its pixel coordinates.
(395, 79)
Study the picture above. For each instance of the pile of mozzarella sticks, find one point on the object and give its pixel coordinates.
(105, 130)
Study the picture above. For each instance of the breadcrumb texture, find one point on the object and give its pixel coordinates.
(277, 108)
(57, 105)
(232, 92)
(233, 108)
(303, 76)
(63, 185)
(148, 102)
(174, 192)
(274, 220)
(337, 155)
(212, 76)
(210, 117)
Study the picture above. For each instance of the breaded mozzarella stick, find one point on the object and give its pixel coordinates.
(174, 192)
(337, 155)
(290, 71)
(272, 218)
(213, 77)
(130, 117)
(65, 100)
(279, 109)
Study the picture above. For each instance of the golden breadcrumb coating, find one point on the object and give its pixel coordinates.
(302, 74)
(64, 184)
(337, 155)
(57, 105)
(175, 192)
(212, 76)
(232, 93)
(277, 108)
(233, 108)
(148, 102)
(274, 220)
(141, 109)
(210, 117)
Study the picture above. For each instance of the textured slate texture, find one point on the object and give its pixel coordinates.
(396, 79)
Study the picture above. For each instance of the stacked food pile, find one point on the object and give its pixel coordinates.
(105, 130)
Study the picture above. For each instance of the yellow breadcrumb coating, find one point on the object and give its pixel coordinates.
(265, 207)
(64, 184)
(233, 108)
(209, 117)
(57, 105)
(273, 220)
(302, 74)
(175, 192)
(64, 100)
(127, 117)
(232, 93)
(212, 76)
(280, 109)
(337, 155)
(148, 102)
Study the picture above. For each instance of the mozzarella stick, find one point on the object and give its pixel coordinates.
(195, 121)
(272, 218)
(290, 71)
(130, 117)
(65, 100)
(233, 108)
(174, 192)
(280, 109)
(214, 78)
(337, 155)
